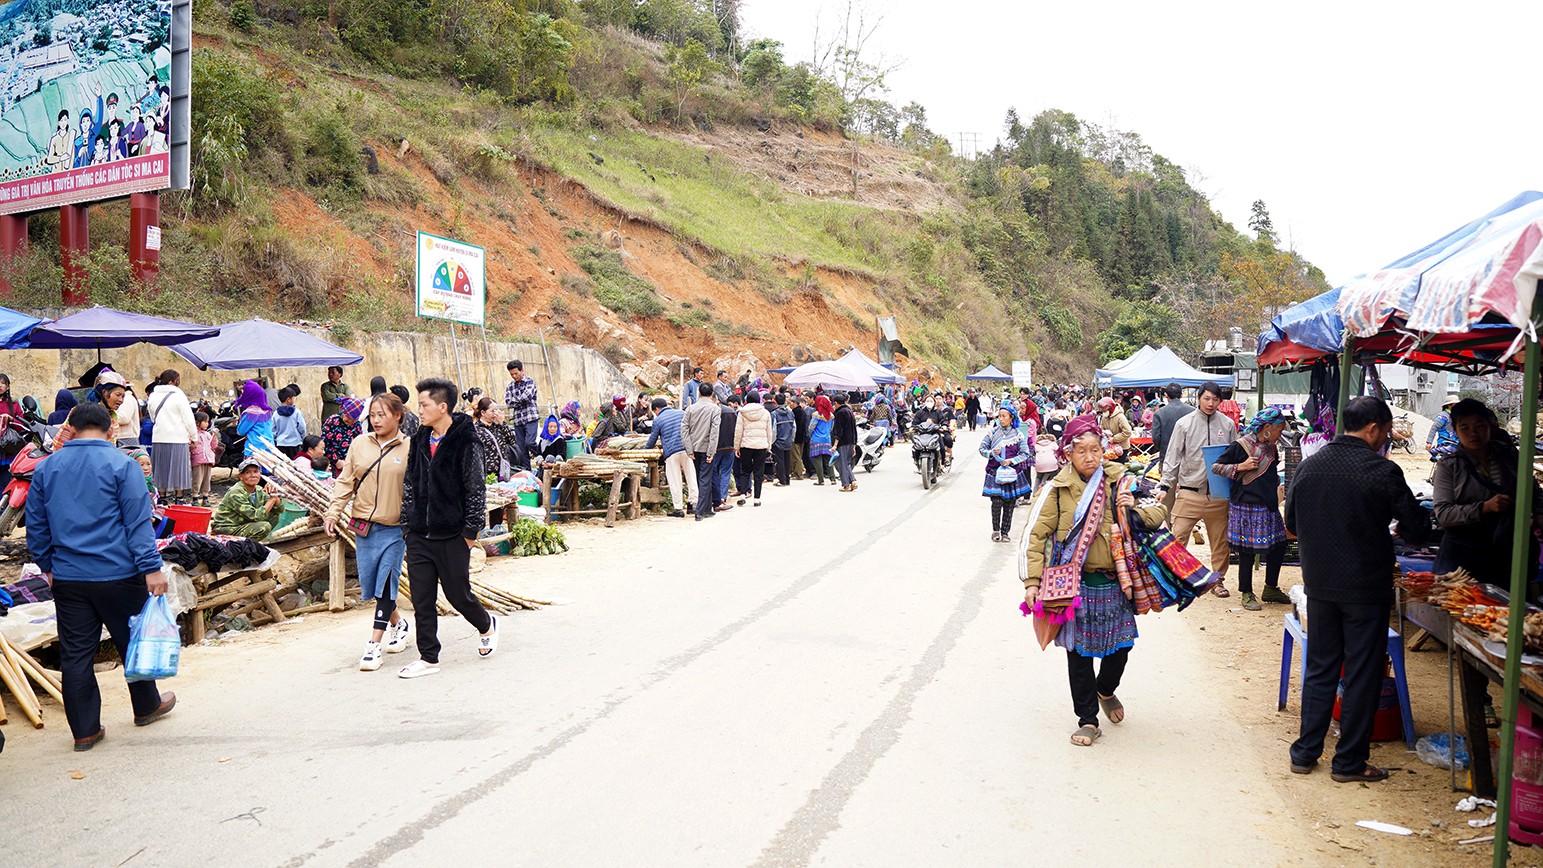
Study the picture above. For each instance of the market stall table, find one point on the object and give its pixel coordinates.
(1475, 670)
(631, 480)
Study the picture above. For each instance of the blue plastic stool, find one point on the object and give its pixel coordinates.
(1295, 635)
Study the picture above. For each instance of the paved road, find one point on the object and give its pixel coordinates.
(831, 679)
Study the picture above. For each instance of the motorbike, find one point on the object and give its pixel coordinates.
(1403, 434)
(927, 451)
(13, 501)
(871, 442)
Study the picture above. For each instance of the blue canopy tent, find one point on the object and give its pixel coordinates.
(258, 343)
(1160, 369)
(1315, 325)
(992, 373)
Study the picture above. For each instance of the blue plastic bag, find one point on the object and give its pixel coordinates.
(155, 643)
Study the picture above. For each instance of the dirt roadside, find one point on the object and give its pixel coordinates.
(1247, 646)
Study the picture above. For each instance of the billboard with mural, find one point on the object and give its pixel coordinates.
(85, 101)
(452, 280)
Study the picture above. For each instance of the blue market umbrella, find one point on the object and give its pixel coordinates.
(258, 343)
(102, 328)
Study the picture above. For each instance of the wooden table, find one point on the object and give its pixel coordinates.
(631, 481)
(1475, 670)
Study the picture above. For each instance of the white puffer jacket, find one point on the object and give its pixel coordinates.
(754, 430)
(168, 409)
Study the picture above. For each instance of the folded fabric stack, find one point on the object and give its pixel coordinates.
(188, 550)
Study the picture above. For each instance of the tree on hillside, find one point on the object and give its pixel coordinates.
(1260, 224)
(689, 66)
(763, 65)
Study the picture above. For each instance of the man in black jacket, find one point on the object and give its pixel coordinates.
(800, 438)
(1341, 502)
(972, 408)
(843, 435)
(443, 503)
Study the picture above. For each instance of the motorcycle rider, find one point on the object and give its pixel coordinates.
(944, 419)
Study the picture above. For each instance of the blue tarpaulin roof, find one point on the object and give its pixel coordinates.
(1315, 323)
(14, 328)
(103, 328)
(257, 343)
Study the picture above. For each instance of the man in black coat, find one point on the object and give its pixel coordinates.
(443, 503)
(1341, 502)
(843, 435)
(1166, 417)
(972, 408)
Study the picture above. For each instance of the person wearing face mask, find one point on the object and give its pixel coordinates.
(942, 415)
(1186, 470)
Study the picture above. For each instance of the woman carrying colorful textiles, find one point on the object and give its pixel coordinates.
(1254, 525)
(1009, 462)
(1074, 524)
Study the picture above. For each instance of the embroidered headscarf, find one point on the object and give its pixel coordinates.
(350, 408)
(570, 411)
(1075, 428)
(1267, 416)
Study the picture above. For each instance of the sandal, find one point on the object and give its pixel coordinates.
(1085, 736)
(1368, 775)
(1113, 709)
(1221, 591)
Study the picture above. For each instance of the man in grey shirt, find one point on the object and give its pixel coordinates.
(1185, 470)
(723, 388)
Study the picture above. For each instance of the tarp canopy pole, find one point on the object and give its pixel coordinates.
(1344, 384)
(1520, 568)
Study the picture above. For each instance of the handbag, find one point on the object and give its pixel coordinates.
(1006, 475)
(1062, 583)
(11, 442)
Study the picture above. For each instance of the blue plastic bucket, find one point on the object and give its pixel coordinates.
(1221, 486)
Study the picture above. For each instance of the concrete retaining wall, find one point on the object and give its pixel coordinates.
(576, 373)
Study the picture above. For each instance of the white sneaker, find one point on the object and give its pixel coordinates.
(398, 636)
(757, 501)
(486, 645)
(418, 669)
(372, 657)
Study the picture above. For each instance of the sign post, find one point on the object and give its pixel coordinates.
(452, 280)
(1023, 375)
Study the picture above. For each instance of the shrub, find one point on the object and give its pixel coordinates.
(331, 153)
(616, 287)
(243, 15)
(227, 88)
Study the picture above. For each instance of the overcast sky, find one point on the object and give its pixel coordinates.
(1368, 128)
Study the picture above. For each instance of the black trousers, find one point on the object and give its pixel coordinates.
(1354, 635)
(1272, 564)
(706, 483)
(1086, 686)
(83, 609)
(781, 458)
(742, 472)
(441, 563)
(1002, 513)
(754, 462)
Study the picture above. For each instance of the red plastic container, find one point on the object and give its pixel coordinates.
(190, 519)
(1388, 723)
(1527, 781)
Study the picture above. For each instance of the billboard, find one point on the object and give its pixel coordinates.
(452, 280)
(1023, 375)
(85, 101)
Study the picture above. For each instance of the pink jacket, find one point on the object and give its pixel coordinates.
(203, 448)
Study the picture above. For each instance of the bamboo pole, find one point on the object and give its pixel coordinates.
(1345, 367)
(30, 669)
(1520, 544)
(21, 691)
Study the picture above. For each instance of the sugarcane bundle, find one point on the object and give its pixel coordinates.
(316, 498)
(597, 465)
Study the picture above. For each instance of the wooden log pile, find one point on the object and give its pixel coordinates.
(308, 492)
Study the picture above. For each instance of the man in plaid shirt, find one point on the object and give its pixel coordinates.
(520, 395)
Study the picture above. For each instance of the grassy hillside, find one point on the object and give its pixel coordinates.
(649, 189)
